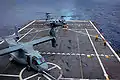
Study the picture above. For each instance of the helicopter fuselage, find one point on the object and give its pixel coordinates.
(33, 59)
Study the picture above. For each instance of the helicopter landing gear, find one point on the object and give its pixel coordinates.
(28, 68)
(54, 42)
(52, 32)
(11, 59)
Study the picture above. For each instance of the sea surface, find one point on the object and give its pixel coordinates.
(106, 13)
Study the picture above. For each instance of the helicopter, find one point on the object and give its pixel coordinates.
(24, 53)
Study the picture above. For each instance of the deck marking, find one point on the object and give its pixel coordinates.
(20, 75)
(112, 55)
(76, 79)
(45, 73)
(81, 68)
(46, 77)
(61, 72)
(48, 53)
(101, 64)
(2, 41)
(53, 53)
(77, 21)
(37, 32)
(78, 54)
(82, 33)
(9, 75)
(106, 55)
(83, 54)
(106, 42)
(38, 78)
(58, 53)
(92, 54)
(102, 55)
(68, 53)
(80, 29)
(43, 29)
(52, 67)
(49, 76)
(25, 35)
(73, 54)
(31, 76)
(34, 37)
(43, 53)
(88, 55)
(63, 53)
(27, 25)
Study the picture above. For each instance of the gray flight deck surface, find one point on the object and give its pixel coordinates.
(76, 54)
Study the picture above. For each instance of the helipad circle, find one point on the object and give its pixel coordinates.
(44, 72)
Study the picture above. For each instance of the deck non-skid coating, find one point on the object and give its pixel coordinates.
(74, 53)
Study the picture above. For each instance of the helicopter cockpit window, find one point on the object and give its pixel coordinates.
(40, 60)
(37, 61)
(34, 61)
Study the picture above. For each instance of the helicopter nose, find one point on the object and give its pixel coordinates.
(44, 66)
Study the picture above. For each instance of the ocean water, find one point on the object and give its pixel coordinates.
(106, 13)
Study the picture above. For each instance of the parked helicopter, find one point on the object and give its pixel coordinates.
(24, 52)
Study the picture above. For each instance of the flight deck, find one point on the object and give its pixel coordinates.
(77, 55)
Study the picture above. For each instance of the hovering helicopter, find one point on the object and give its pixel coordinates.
(25, 54)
